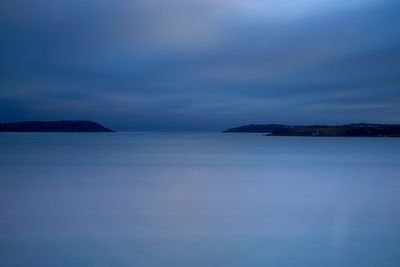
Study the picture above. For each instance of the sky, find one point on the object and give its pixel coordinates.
(200, 65)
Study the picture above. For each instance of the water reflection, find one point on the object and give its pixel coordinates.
(198, 200)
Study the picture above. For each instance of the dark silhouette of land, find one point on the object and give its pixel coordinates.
(53, 126)
(350, 130)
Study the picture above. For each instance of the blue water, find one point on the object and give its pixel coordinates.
(182, 200)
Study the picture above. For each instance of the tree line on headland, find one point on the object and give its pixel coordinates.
(53, 126)
(350, 130)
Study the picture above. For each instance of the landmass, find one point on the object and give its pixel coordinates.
(258, 128)
(53, 126)
(349, 130)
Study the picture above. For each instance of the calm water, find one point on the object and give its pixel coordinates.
(182, 200)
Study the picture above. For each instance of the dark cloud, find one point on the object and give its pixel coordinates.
(200, 65)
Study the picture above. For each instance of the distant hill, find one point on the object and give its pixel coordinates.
(53, 126)
(350, 130)
(258, 128)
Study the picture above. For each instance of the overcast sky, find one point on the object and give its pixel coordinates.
(200, 64)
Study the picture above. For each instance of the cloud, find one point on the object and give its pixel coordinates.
(199, 64)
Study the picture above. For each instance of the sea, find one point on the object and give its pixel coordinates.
(198, 199)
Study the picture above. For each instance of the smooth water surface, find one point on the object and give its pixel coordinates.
(182, 200)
